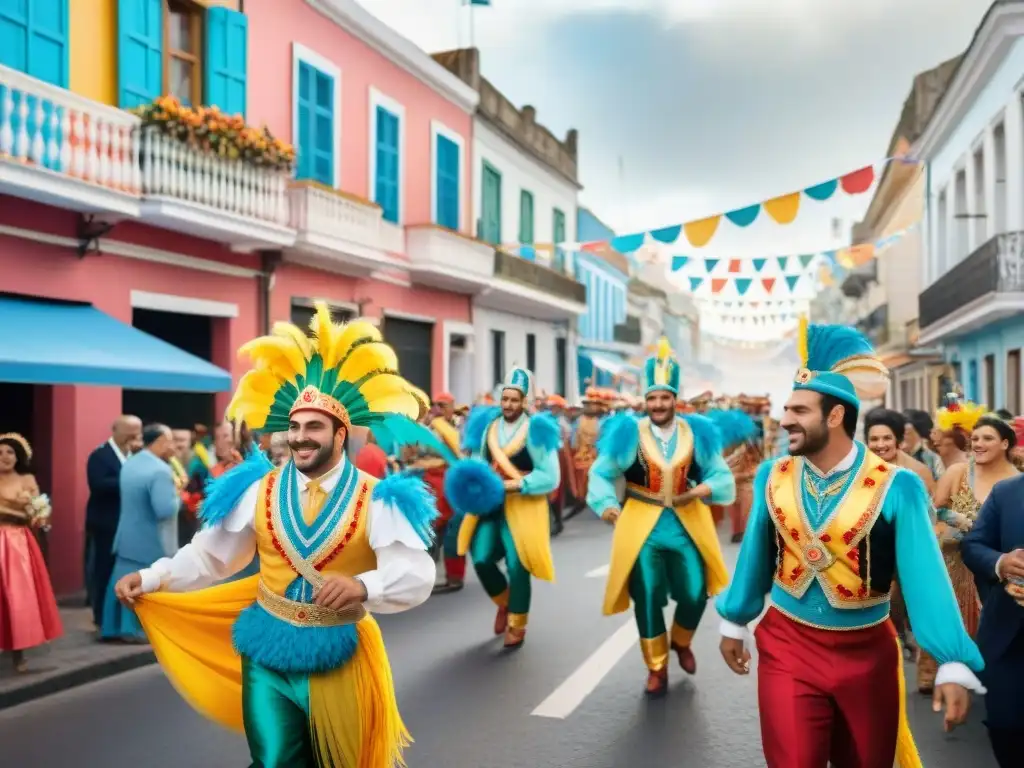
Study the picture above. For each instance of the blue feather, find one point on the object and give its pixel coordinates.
(828, 344)
(284, 647)
(397, 431)
(707, 440)
(477, 422)
(734, 426)
(224, 493)
(410, 496)
(544, 432)
(473, 488)
(619, 438)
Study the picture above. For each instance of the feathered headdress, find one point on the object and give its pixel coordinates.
(344, 371)
(958, 414)
(521, 380)
(661, 371)
(840, 361)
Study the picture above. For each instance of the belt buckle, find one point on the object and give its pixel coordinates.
(817, 556)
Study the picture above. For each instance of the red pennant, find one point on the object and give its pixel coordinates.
(717, 284)
(858, 181)
(768, 283)
(734, 266)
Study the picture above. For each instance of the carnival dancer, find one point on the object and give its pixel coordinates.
(292, 655)
(557, 499)
(435, 467)
(743, 456)
(502, 493)
(583, 443)
(831, 524)
(665, 543)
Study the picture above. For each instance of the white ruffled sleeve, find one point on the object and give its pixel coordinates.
(405, 571)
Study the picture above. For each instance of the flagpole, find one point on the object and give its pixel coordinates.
(472, 25)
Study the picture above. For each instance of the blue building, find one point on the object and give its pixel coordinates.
(608, 338)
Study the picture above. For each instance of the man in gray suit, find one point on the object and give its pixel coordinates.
(147, 529)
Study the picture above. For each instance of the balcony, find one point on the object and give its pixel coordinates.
(440, 258)
(986, 287)
(341, 232)
(876, 325)
(60, 149)
(532, 290)
(195, 193)
(629, 331)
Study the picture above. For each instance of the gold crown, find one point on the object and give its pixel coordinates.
(312, 399)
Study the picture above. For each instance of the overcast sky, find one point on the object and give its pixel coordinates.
(711, 104)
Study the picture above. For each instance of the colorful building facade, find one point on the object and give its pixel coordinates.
(138, 263)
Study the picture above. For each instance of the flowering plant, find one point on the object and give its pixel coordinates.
(210, 130)
(39, 511)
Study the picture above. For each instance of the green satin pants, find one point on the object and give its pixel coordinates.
(668, 565)
(275, 711)
(493, 541)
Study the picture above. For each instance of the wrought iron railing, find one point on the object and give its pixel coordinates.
(538, 276)
(629, 331)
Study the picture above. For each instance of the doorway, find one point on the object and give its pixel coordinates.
(413, 342)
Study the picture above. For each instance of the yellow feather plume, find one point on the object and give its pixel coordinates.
(289, 331)
(383, 385)
(404, 403)
(280, 354)
(253, 398)
(355, 331)
(664, 350)
(801, 341)
(326, 334)
(965, 416)
(367, 358)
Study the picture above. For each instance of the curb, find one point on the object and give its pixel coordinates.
(74, 678)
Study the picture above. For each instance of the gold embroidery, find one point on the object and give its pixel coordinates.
(305, 614)
(830, 627)
(669, 467)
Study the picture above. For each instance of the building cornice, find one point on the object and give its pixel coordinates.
(1002, 25)
(353, 18)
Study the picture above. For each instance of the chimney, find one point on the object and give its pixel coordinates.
(570, 142)
(529, 114)
(469, 67)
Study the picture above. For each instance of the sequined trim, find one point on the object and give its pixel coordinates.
(305, 614)
(828, 627)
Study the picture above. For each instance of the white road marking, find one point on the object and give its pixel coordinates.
(581, 683)
(597, 573)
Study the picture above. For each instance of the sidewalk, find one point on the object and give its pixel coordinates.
(72, 660)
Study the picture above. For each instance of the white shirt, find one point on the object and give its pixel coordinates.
(403, 579)
(117, 451)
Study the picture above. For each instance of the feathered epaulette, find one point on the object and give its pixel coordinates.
(619, 438)
(707, 440)
(477, 422)
(223, 493)
(410, 496)
(734, 426)
(544, 433)
(397, 431)
(473, 488)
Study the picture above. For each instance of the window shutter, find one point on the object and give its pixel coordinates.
(227, 46)
(140, 34)
(387, 164)
(323, 128)
(447, 183)
(34, 39)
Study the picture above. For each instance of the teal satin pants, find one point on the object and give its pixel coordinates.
(492, 541)
(668, 565)
(275, 711)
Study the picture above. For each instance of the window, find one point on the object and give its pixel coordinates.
(386, 118)
(990, 382)
(558, 236)
(183, 40)
(490, 215)
(1013, 393)
(447, 177)
(34, 39)
(316, 89)
(531, 352)
(498, 356)
(525, 217)
(561, 365)
(302, 312)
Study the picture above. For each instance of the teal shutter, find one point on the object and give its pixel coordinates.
(526, 222)
(34, 38)
(227, 47)
(387, 164)
(140, 35)
(491, 224)
(447, 183)
(315, 140)
(558, 236)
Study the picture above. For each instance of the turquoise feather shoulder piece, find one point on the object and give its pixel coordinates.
(410, 496)
(396, 430)
(477, 422)
(619, 438)
(544, 433)
(707, 440)
(224, 492)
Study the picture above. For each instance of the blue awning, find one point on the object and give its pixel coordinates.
(609, 362)
(45, 342)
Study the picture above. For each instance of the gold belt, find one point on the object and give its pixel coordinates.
(643, 494)
(305, 614)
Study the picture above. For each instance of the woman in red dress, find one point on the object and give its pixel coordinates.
(28, 609)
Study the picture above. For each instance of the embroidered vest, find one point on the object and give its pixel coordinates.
(653, 477)
(586, 441)
(512, 461)
(852, 554)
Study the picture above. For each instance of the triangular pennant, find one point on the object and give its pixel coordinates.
(806, 259)
(759, 264)
(742, 284)
(768, 283)
(678, 262)
(710, 264)
(695, 283)
(718, 284)
(792, 280)
(734, 266)
(783, 261)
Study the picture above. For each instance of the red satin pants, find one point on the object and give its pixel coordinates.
(827, 695)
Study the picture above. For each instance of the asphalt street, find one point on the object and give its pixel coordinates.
(570, 698)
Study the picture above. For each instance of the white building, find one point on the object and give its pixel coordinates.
(524, 201)
(973, 147)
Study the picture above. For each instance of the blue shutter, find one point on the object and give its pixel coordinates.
(447, 183)
(140, 35)
(387, 164)
(34, 38)
(227, 46)
(315, 139)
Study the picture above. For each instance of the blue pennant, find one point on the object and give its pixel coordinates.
(678, 262)
(695, 283)
(792, 280)
(710, 264)
(744, 217)
(759, 264)
(667, 235)
(742, 284)
(627, 243)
